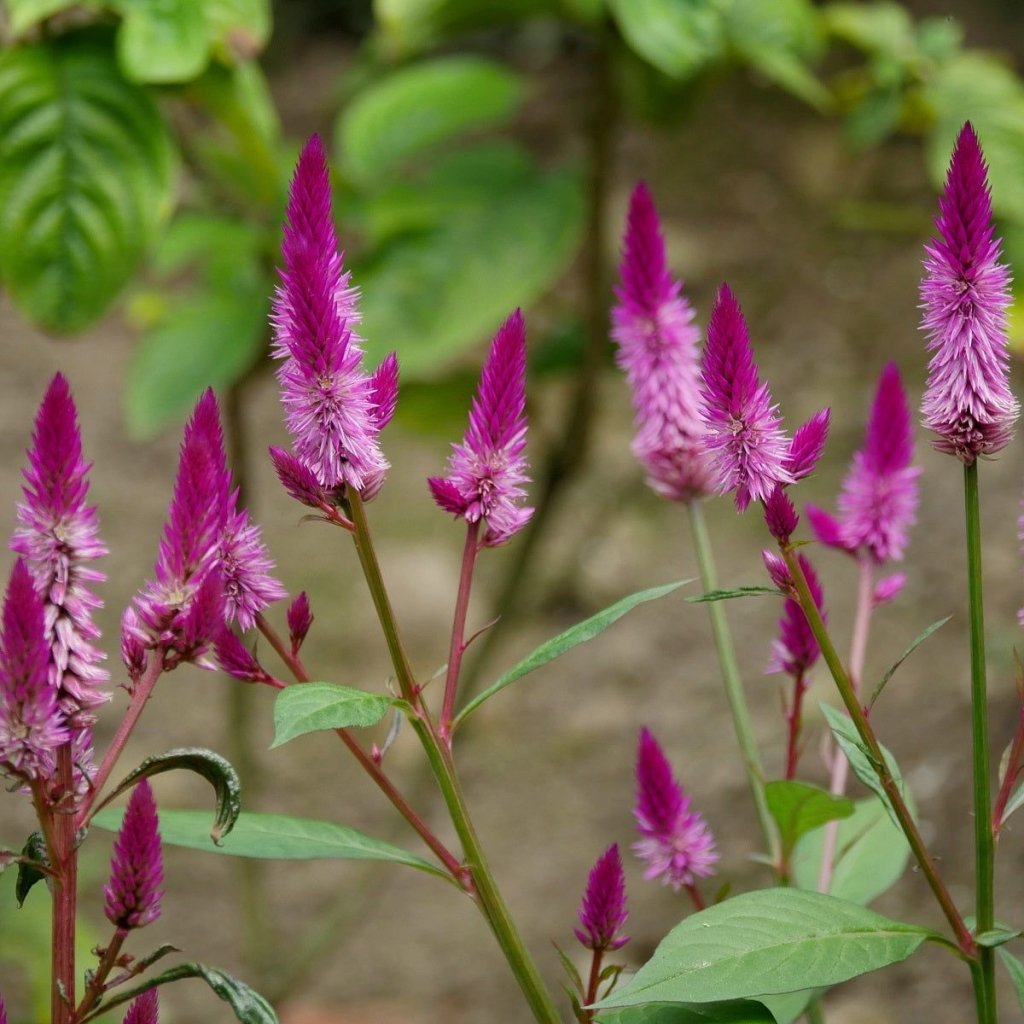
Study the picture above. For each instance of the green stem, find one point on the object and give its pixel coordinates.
(731, 678)
(984, 843)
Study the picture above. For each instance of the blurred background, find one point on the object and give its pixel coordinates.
(484, 153)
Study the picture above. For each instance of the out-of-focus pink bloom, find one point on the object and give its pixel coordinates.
(795, 650)
(32, 725)
(888, 588)
(58, 535)
(675, 841)
(333, 410)
(749, 449)
(652, 324)
(487, 470)
(136, 868)
(144, 1009)
(965, 294)
(603, 910)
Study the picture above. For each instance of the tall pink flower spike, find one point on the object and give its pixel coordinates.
(965, 295)
(136, 869)
(487, 470)
(603, 910)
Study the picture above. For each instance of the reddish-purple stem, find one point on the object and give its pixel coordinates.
(65, 893)
(107, 963)
(593, 983)
(695, 896)
(458, 642)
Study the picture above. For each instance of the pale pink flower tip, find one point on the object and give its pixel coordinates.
(675, 841)
(749, 449)
(144, 1009)
(487, 470)
(965, 295)
(333, 410)
(136, 868)
(32, 725)
(652, 325)
(603, 910)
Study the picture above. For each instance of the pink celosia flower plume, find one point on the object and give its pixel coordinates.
(675, 841)
(136, 869)
(58, 535)
(965, 294)
(32, 725)
(333, 410)
(603, 910)
(878, 501)
(144, 1009)
(652, 324)
(3, 1011)
(486, 471)
(749, 449)
(795, 650)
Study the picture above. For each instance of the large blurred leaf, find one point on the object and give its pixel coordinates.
(23, 14)
(85, 178)
(421, 106)
(240, 28)
(677, 36)
(162, 41)
(432, 295)
(878, 28)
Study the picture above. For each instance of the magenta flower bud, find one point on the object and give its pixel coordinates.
(136, 869)
(808, 444)
(780, 516)
(652, 325)
(965, 294)
(486, 471)
(237, 660)
(748, 447)
(298, 479)
(300, 618)
(779, 572)
(603, 910)
(888, 588)
(675, 841)
(133, 650)
(144, 1009)
(58, 536)
(32, 725)
(796, 650)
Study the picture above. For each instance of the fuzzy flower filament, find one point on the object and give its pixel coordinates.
(603, 910)
(487, 470)
(652, 326)
(136, 869)
(965, 295)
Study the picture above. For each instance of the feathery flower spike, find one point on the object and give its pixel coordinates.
(58, 535)
(675, 841)
(32, 725)
(333, 410)
(603, 910)
(795, 650)
(965, 295)
(144, 1009)
(878, 501)
(748, 447)
(486, 471)
(652, 325)
(136, 868)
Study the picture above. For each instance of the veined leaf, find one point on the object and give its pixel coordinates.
(162, 41)
(312, 707)
(798, 808)
(679, 37)
(85, 178)
(572, 637)
(1016, 971)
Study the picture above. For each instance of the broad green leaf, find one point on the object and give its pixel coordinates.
(435, 294)
(882, 27)
(162, 41)
(276, 837)
(860, 757)
(771, 941)
(419, 107)
(734, 1012)
(918, 640)
(1016, 971)
(311, 707)
(239, 28)
(572, 637)
(871, 855)
(24, 14)
(85, 178)
(728, 595)
(248, 1005)
(798, 808)
(212, 767)
(679, 37)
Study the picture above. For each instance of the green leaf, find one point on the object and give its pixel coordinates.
(212, 767)
(733, 1012)
(275, 837)
(771, 941)
(996, 937)
(728, 595)
(248, 1005)
(433, 295)
(1016, 971)
(34, 850)
(162, 41)
(419, 107)
(311, 707)
(85, 178)
(860, 757)
(871, 855)
(798, 808)
(789, 1006)
(239, 28)
(24, 14)
(679, 37)
(920, 639)
(572, 637)
(876, 28)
